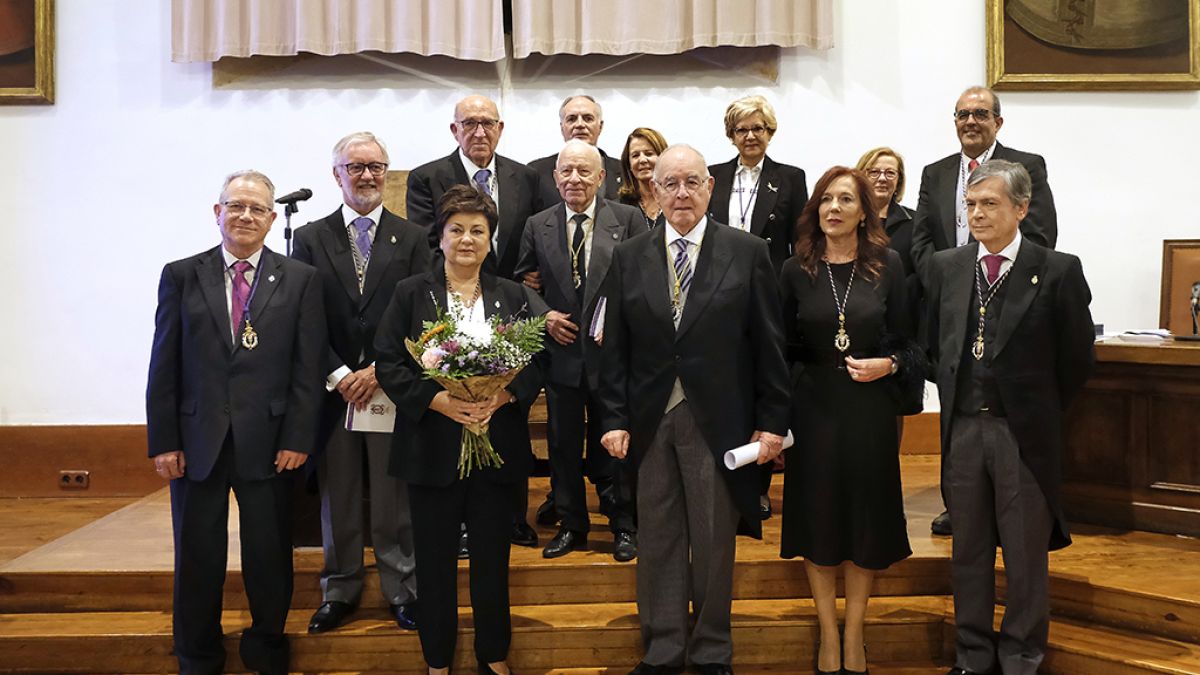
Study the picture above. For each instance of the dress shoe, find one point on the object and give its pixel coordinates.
(329, 615)
(764, 507)
(941, 524)
(564, 542)
(714, 669)
(405, 615)
(523, 534)
(464, 551)
(644, 668)
(624, 546)
(547, 514)
(485, 669)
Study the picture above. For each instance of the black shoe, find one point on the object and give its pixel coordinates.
(405, 615)
(713, 669)
(644, 668)
(624, 546)
(523, 534)
(464, 551)
(564, 542)
(941, 524)
(485, 669)
(547, 514)
(329, 615)
(962, 671)
(764, 507)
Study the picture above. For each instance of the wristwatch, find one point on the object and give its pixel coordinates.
(895, 365)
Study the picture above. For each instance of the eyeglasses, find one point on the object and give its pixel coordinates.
(980, 114)
(584, 173)
(357, 168)
(238, 208)
(757, 130)
(889, 174)
(692, 184)
(470, 125)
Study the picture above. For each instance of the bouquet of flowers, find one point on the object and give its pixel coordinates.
(473, 361)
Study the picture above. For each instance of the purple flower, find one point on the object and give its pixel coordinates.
(474, 354)
(445, 367)
(451, 346)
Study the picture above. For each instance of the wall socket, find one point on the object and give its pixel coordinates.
(74, 480)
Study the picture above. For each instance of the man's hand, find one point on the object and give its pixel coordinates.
(616, 442)
(286, 460)
(533, 280)
(170, 464)
(560, 327)
(770, 445)
(359, 386)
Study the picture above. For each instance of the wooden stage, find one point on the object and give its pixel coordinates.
(97, 600)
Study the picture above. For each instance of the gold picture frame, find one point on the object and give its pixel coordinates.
(1132, 45)
(27, 43)
(1180, 281)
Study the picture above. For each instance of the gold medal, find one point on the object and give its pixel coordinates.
(249, 336)
(842, 341)
(576, 278)
(977, 348)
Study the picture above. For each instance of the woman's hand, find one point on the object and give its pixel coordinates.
(498, 400)
(463, 412)
(868, 370)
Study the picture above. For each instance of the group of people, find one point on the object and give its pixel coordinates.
(690, 309)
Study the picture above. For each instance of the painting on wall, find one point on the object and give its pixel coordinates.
(26, 51)
(1093, 44)
(1179, 310)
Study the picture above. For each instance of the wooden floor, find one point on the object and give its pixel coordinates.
(1123, 602)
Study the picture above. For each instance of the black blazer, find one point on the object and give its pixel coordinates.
(202, 384)
(400, 250)
(934, 225)
(425, 445)
(519, 199)
(544, 167)
(782, 193)
(544, 249)
(727, 351)
(1043, 354)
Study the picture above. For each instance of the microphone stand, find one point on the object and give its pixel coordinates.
(291, 208)
(1195, 312)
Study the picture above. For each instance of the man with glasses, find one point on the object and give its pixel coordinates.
(692, 367)
(361, 252)
(580, 118)
(941, 220)
(232, 400)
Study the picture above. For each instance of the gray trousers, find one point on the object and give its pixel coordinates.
(996, 500)
(340, 472)
(687, 524)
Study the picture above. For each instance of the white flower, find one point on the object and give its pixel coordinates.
(476, 334)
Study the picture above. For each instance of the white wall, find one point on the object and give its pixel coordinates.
(118, 177)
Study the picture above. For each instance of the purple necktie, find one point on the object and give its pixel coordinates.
(993, 263)
(241, 291)
(363, 238)
(483, 181)
(683, 267)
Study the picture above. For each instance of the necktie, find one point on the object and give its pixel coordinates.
(363, 239)
(972, 165)
(993, 263)
(579, 251)
(683, 266)
(483, 181)
(241, 293)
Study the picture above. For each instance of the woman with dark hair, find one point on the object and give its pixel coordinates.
(849, 335)
(429, 425)
(641, 152)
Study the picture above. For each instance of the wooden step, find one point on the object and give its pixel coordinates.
(907, 631)
(1079, 648)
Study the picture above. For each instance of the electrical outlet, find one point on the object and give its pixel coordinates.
(74, 480)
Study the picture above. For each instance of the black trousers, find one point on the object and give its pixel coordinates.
(200, 515)
(436, 515)
(574, 421)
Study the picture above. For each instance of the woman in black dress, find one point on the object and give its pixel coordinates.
(641, 152)
(849, 342)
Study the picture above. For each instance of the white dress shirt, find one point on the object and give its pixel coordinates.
(1009, 252)
(743, 195)
(230, 259)
(962, 233)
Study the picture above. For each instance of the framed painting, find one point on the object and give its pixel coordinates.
(1179, 310)
(26, 51)
(1093, 44)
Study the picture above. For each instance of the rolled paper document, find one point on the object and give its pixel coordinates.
(745, 454)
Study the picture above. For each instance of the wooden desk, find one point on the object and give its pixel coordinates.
(1133, 440)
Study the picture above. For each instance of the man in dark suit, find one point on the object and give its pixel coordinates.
(941, 221)
(513, 186)
(569, 246)
(693, 367)
(232, 400)
(361, 251)
(1012, 339)
(581, 118)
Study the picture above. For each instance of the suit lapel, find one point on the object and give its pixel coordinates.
(337, 246)
(656, 276)
(493, 300)
(1029, 264)
(949, 220)
(211, 271)
(718, 204)
(383, 251)
(606, 234)
(765, 202)
(956, 301)
(266, 280)
(506, 183)
(554, 242)
(710, 269)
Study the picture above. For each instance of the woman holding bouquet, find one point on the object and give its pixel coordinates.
(429, 438)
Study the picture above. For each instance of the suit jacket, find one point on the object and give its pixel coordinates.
(934, 226)
(400, 250)
(782, 194)
(519, 199)
(727, 351)
(544, 248)
(1042, 355)
(425, 447)
(544, 167)
(203, 385)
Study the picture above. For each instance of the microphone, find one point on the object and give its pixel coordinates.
(293, 197)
